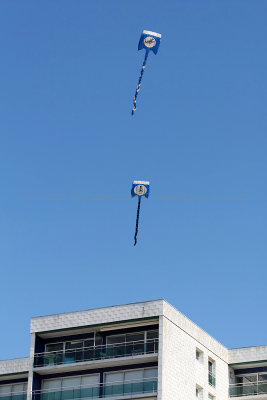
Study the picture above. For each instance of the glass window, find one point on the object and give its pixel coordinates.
(18, 388)
(89, 343)
(5, 389)
(74, 345)
(15, 388)
(73, 352)
(210, 367)
(71, 382)
(262, 377)
(90, 380)
(132, 381)
(132, 375)
(152, 334)
(51, 384)
(90, 386)
(134, 337)
(211, 375)
(199, 392)
(151, 373)
(98, 339)
(113, 384)
(54, 347)
(249, 379)
(199, 355)
(136, 375)
(116, 339)
(114, 377)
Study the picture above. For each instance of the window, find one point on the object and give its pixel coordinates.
(74, 345)
(152, 335)
(68, 352)
(74, 381)
(91, 348)
(211, 397)
(133, 343)
(199, 355)
(52, 384)
(199, 392)
(132, 337)
(135, 374)
(262, 377)
(250, 384)
(17, 389)
(54, 347)
(116, 339)
(92, 340)
(87, 386)
(211, 374)
(133, 381)
(210, 366)
(246, 379)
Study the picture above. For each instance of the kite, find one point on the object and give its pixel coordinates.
(140, 189)
(148, 41)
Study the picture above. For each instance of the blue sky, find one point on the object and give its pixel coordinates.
(70, 150)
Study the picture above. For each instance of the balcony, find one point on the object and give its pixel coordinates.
(249, 389)
(126, 389)
(212, 380)
(128, 349)
(13, 396)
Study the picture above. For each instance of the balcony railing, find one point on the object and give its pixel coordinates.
(248, 389)
(13, 396)
(126, 388)
(212, 380)
(140, 347)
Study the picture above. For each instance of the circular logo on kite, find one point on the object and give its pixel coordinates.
(140, 190)
(149, 41)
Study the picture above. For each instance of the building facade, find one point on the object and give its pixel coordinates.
(139, 351)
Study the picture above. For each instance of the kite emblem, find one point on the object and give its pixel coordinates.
(149, 41)
(140, 189)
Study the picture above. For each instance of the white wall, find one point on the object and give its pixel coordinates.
(181, 372)
(14, 365)
(97, 316)
(247, 354)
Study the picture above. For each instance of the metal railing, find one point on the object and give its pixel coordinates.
(125, 388)
(248, 389)
(92, 353)
(13, 396)
(212, 380)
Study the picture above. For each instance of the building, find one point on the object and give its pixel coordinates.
(139, 351)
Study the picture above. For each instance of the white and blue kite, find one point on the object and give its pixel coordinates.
(140, 189)
(148, 41)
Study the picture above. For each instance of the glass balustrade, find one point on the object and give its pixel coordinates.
(14, 396)
(250, 389)
(127, 349)
(100, 391)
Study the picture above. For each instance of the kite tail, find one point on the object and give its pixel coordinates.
(139, 83)
(137, 221)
